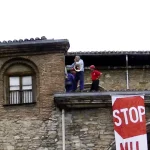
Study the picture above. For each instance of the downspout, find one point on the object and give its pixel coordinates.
(63, 129)
(127, 72)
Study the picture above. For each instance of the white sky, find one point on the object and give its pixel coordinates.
(89, 25)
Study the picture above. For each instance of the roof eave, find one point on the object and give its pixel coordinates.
(93, 100)
(51, 45)
(108, 53)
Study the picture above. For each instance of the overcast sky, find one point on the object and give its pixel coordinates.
(89, 25)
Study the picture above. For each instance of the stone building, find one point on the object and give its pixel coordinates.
(88, 116)
(37, 114)
(31, 70)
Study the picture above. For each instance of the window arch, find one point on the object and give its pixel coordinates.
(19, 78)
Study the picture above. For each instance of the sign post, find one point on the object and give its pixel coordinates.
(129, 122)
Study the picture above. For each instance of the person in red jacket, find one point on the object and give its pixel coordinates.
(95, 75)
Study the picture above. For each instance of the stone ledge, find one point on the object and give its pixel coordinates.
(22, 104)
(93, 99)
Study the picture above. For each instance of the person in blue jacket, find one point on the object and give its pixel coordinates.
(70, 81)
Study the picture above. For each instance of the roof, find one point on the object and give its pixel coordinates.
(33, 45)
(108, 53)
(22, 40)
(31, 41)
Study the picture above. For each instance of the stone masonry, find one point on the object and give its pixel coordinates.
(91, 129)
(139, 79)
(39, 126)
(34, 126)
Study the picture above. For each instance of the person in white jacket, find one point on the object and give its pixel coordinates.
(79, 77)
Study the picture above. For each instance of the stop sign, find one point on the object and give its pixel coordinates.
(129, 116)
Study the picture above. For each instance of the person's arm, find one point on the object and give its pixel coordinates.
(66, 74)
(65, 71)
(98, 74)
(70, 66)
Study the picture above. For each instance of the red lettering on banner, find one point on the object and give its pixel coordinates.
(137, 145)
(129, 146)
(124, 147)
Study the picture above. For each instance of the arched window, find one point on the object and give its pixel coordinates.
(19, 84)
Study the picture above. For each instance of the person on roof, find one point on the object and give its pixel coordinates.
(79, 76)
(95, 75)
(70, 82)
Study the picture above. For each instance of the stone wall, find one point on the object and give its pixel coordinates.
(50, 79)
(38, 126)
(91, 129)
(31, 133)
(139, 79)
(33, 126)
(86, 129)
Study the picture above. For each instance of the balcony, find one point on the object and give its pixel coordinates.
(93, 99)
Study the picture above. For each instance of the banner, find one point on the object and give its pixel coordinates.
(129, 122)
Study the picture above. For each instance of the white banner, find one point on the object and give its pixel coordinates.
(129, 122)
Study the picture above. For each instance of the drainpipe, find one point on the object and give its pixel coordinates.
(63, 129)
(127, 72)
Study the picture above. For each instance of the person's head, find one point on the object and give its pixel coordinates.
(77, 58)
(92, 67)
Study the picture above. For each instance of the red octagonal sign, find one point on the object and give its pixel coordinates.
(129, 116)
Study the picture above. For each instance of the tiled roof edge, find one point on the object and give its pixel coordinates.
(31, 41)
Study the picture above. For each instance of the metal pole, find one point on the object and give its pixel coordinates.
(63, 128)
(127, 72)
